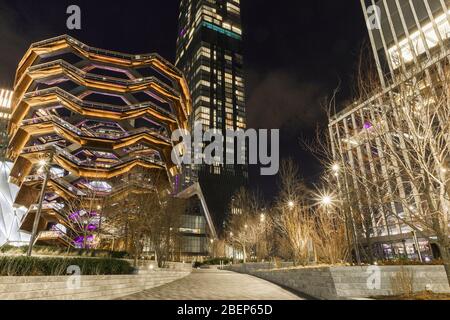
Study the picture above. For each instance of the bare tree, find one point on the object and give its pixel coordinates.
(414, 130)
(293, 216)
(149, 216)
(84, 216)
(406, 132)
(244, 225)
(329, 236)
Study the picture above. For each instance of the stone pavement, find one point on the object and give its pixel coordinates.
(215, 284)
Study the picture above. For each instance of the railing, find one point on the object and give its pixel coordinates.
(89, 163)
(118, 81)
(108, 53)
(58, 180)
(94, 105)
(90, 134)
(55, 235)
(48, 206)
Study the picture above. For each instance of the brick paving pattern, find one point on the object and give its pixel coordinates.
(216, 285)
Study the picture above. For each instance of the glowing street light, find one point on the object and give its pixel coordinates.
(263, 217)
(336, 168)
(291, 204)
(327, 200)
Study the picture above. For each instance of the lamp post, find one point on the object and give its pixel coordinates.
(264, 225)
(232, 245)
(291, 204)
(416, 242)
(45, 164)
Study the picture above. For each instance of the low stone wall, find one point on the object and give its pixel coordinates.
(351, 282)
(90, 287)
(146, 265)
(250, 267)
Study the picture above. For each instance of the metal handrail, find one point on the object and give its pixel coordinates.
(90, 134)
(86, 75)
(95, 105)
(115, 54)
(87, 163)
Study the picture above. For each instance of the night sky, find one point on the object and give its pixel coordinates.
(296, 53)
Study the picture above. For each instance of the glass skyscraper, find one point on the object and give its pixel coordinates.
(5, 115)
(209, 52)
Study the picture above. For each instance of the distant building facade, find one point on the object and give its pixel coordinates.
(408, 38)
(209, 52)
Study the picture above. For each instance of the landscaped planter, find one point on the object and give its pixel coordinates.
(351, 282)
(85, 287)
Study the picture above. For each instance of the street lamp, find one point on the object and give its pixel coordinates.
(44, 166)
(291, 204)
(335, 168)
(326, 200)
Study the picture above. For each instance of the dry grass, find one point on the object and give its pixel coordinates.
(426, 295)
(402, 282)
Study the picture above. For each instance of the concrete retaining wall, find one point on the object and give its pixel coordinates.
(152, 265)
(90, 288)
(351, 282)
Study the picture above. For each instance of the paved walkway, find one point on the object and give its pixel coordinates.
(216, 285)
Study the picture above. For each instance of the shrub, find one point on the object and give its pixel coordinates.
(216, 261)
(33, 266)
(61, 251)
(406, 262)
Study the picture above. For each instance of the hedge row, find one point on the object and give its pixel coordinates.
(33, 266)
(48, 250)
(405, 262)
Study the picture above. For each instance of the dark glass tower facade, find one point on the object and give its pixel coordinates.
(209, 52)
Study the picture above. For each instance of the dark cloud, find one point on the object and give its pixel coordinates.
(16, 36)
(278, 97)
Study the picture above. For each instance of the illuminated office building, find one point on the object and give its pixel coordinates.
(410, 43)
(98, 116)
(10, 216)
(5, 115)
(209, 52)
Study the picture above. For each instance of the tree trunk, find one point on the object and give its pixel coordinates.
(137, 251)
(446, 259)
(136, 256)
(370, 249)
(135, 262)
(245, 253)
